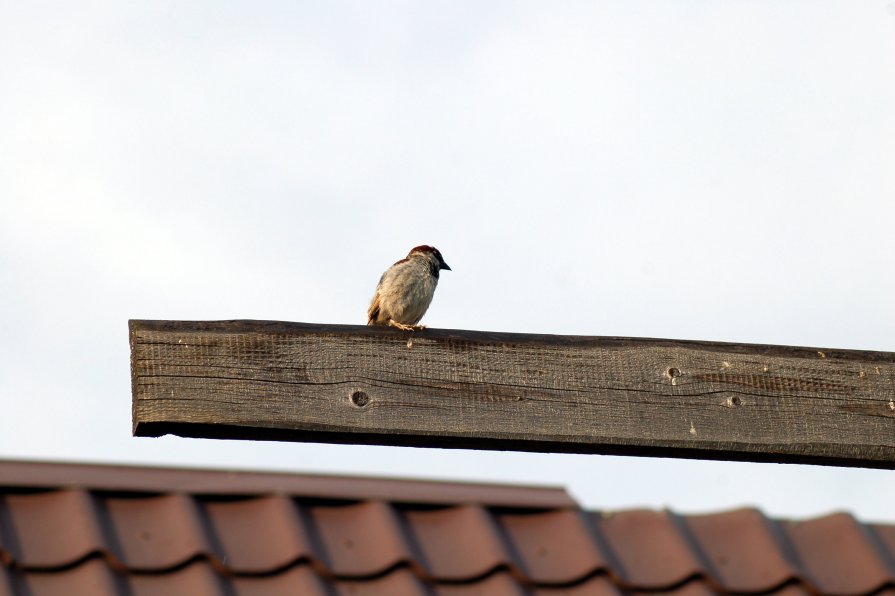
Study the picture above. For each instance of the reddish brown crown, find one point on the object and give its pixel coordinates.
(434, 251)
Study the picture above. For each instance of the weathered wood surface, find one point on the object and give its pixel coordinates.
(447, 388)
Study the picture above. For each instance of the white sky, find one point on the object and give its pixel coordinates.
(684, 169)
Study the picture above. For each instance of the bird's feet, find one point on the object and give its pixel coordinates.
(404, 327)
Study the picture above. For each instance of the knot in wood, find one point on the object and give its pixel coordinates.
(360, 399)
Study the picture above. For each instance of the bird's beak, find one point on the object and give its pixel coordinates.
(445, 266)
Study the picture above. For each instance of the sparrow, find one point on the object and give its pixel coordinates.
(405, 290)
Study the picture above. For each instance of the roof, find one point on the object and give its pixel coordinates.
(90, 529)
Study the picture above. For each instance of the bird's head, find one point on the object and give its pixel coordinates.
(431, 253)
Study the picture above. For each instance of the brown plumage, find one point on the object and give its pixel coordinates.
(405, 290)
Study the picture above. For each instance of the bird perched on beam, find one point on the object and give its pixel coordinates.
(406, 288)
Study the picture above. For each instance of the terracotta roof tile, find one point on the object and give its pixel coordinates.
(49, 529)
(259, 535)
(496, 584)
(650, 547)
(555, 546)
(195, 579)
(595, 586)
(152, 533)
(744, 549)
(690, 588)
(458, 543)
(855, 565)
(360, 540)
(397, 583)
(90, 577)
(297, 580)
(66, 536)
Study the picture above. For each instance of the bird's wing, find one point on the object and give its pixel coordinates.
(373, 311)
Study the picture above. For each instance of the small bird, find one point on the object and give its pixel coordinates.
(405, 290)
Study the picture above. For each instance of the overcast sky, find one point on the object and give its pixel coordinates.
(684, 169)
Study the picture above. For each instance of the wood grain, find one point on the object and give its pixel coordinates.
(482, 390)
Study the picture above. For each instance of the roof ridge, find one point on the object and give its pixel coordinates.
(200, 481)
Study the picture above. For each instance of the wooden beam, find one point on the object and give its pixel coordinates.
(482, 390)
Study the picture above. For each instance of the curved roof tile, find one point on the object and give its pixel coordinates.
(69, 537)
